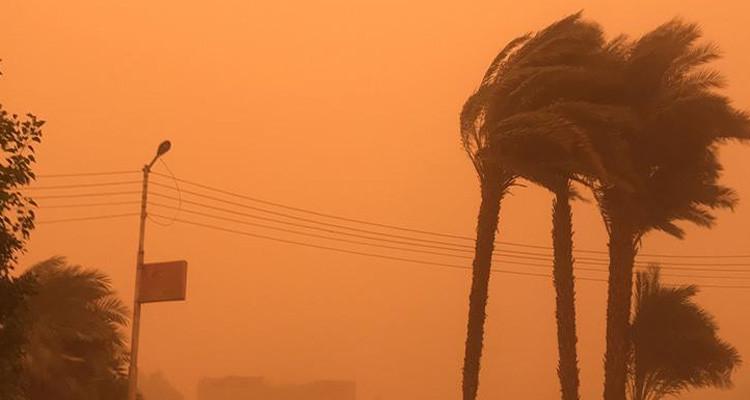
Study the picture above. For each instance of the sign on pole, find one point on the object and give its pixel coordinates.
(164, 281)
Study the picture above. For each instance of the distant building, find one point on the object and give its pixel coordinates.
(256, 388)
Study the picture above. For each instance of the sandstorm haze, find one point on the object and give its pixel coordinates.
(349, 108)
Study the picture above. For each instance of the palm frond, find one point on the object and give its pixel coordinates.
(675, 342)
(74, 324)
(681, 117)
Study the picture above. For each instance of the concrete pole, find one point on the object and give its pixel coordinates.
(136, 322)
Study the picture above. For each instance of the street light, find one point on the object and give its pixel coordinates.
(136, 322)
(163, 149)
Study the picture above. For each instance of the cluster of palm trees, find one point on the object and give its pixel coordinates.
(636, 122)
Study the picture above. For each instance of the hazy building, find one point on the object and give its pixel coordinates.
(256, 388)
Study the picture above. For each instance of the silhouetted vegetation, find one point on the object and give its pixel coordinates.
(75, 347)
(671, 119)
(530, 76)
(18, 136)
(675, 345)
(636, 121)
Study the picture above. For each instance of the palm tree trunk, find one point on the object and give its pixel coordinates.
(621, 262)
(562, 239)
(489, 212)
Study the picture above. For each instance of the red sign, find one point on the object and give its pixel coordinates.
(165, 281)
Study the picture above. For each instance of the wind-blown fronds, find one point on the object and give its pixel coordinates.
(531, 72)
(76, 346)
(675, 342)
(576, 140)
(681, 117)
(530, 75)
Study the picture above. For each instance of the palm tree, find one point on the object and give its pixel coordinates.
(549, 148)
(74, 322)
(674, 342)
(519, 97)
(678, 119)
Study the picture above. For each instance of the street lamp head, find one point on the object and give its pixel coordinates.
(163, 148)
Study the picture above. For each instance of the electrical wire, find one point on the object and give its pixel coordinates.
(179, 198)
(320, 214)
(445, 245)
(72, 175)
(403, 259)
(292, 231)
(55, 221)
(290, 216)
(359, 221)
(347, 251)
(513, 262)
(67, 196)
(83, 185)
(434, 253)
(425, 232)
(111, 216)
(111, 203)
(409, 240)
(318, 228)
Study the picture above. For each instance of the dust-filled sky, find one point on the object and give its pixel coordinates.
(346, 107)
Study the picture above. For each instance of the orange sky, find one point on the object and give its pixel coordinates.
(348, 107)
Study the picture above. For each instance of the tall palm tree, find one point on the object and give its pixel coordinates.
(548, 147)
(678, 119)
(530, 75)
(74, 322)
(675, 345)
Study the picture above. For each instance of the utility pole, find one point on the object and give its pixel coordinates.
(136, 322)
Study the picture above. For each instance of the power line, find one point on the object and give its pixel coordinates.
(289, 223)
(467, 249)
(72, 175)
(454, 246)
(179, 198)
(54, 221)
(292, 231)
(434, 253)
(401, 228)
(320, 214)
(82, 185)
(442, 245)
(290, 216)
(312, 212)
(276, 228)
(67, 196)
(385, 246)
(82, 205)
(393, 258)
(458, 247)
(111, 216)
(347, 251)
